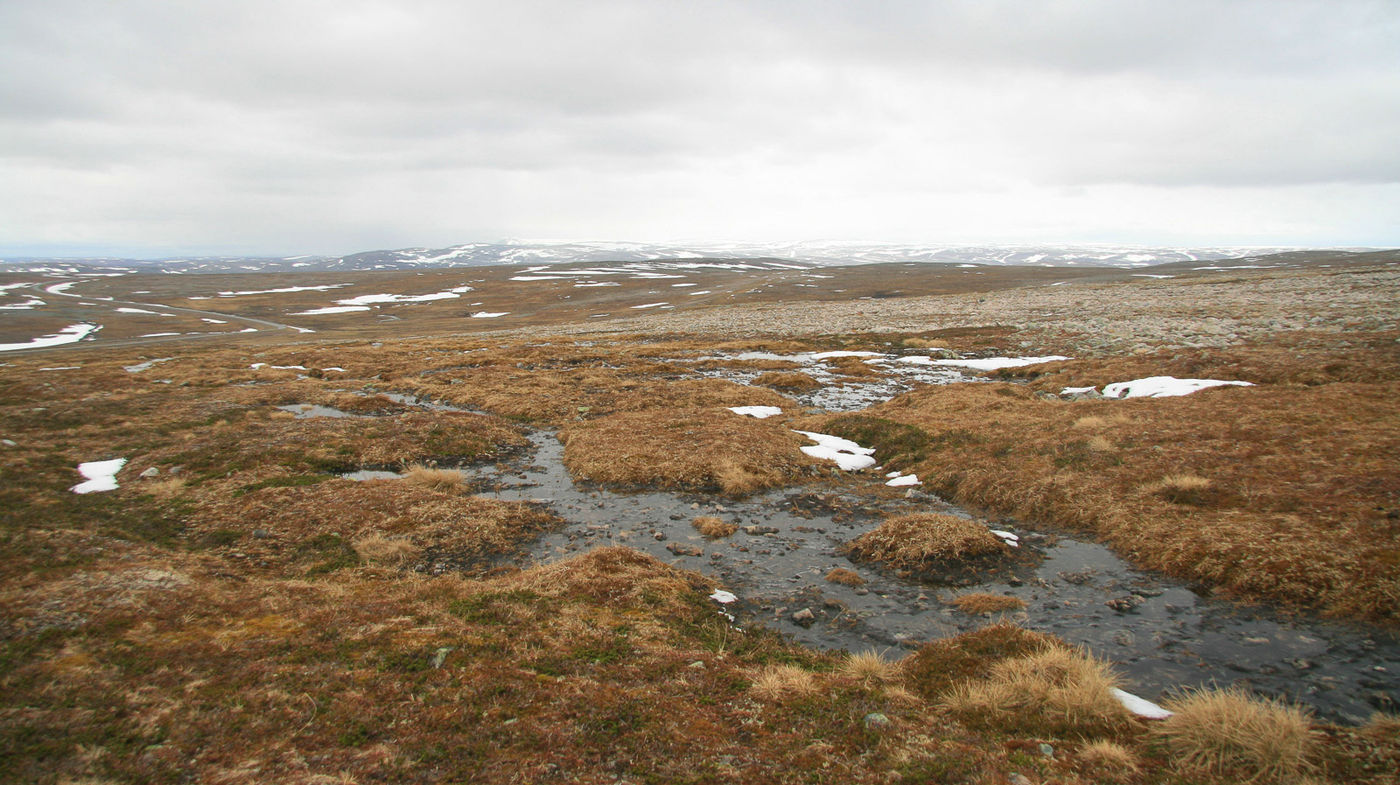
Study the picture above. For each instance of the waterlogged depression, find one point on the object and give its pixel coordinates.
(1160, 634)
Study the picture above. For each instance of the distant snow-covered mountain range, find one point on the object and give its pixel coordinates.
(546, 252)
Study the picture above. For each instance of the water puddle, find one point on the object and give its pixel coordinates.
(1159, 633)
(306, 411)
(841, 393)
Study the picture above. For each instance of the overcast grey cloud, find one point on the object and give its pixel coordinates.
(306, 126)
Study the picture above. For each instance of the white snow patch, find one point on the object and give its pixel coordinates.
(158, 335)
(333, 309)
(596, 283)
(994, 363)
(1140, 706)
(139, 367)
(759, 412)
(213, 321)
(1077, 390)
(70, 334)
(284, 290)
(723, 597)
(101, 475)
(845, 453)
(901, 481)
(136, 310)
(1163, 387)
(648, 305)
(374, 299)
(706, 291)
(1007, 537)
(489, 314)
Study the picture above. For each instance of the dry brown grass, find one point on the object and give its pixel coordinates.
(694, 449)
(789, 381)
(446, 480)
(714, 528)
(390, 551)
(1109, 761)
(782, 683)
(1229, 733)
(1182, 489)
(1055, 691)
(913, 541)
(845, 577)
(983, 603)
(311, 522)
(1303, 503)
(1382, 726)
(869, 668)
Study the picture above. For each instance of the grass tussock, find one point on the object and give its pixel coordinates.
(982, 603)
(869, 668)
(918, 540)
(938, 666)
(444, 480)
(845, 577)
(714, 528)
(1109, 761)
(691, 449)
(1229, 733)
(1182, 489)
(1057, 691)
(783, 683)
(787, 381)
(387, 551)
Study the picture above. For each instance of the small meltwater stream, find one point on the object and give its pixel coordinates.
(1159, 634)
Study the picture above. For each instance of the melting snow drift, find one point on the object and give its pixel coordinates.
(101, 475)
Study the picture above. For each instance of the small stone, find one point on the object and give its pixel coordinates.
(658, 536)
(1302, 664)
(876, 720)
(1047, 750)
(1017, 778)
(805, 617)
(684, 550)
(9, 442)
(697, 665)
(440, 656)
(260, 534)
(149, 473)
(1125, 604)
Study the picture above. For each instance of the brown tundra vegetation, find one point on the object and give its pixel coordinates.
(238, 612)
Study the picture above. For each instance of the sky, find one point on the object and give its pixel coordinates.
(156, 128)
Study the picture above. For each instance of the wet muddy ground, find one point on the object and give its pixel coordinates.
(1160, 634)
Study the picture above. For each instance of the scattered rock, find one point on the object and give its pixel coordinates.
(149, 473)
(805, 617)
(1126, 604)
(876, 720)
(684, 550)
(760, 530)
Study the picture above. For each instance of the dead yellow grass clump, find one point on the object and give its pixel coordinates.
(713, 527)
(791, 381)
(1232, 734)
(912, 541)
(390, 551)
(1109, 761)
(983, 603)
(1181, 488)
(869, 668)
(845, 577)
(782, 683)
(1056, 691)
(448, 480)
(693, 449)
